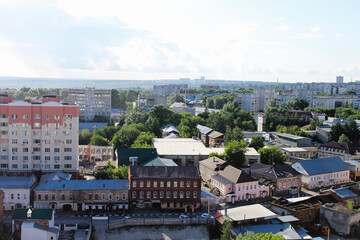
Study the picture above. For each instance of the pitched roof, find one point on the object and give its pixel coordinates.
(159, 162)
(216, 134)
(36, 214)
(190, 172)
(344, 193)
(212, 162)
(55, 176)
(203, 129)
(274, 171)
(40, 227)
(143, 154)
(16, 182)
(235, 175)
(108, 184)
(348, 148)
(323, 165)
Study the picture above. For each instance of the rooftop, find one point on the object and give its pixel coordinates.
(16, 182)
(250, 151)
(159, 162)
(323, 165)
(40, 227)
(189, 172)
(294, 149)
(107, 184)
(290, 136)
(249, 212)
(344, 193)
(212, 162)
(203, 129)
(183, 147)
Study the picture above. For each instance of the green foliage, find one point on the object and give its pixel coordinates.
(217, 101)
(98, 140)
(349, 92)
(349, 205)
(126, 136)
(111, 172)
(344, 139)
(256, 142)
(315, 123)
(323, 94)
(187, 126)
(294, 130)
(273, 120)
(259, 236)
(136, 115)
(144, 140)
(235, 152)
(271, 155)
(226, 230)
(106, 132)
(84, 137)
(222, 155)
(347, 113)
(175, 97)
(350, 130)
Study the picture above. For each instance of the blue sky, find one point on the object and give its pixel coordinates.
(236, 40)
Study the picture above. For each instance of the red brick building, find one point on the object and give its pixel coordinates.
(165, 187)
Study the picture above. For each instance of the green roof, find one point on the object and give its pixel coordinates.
(143, 155)
(37, 214)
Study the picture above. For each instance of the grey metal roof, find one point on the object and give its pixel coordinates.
(55, 176)
(323, 165)
(203, 129)
(215, 134)
(159, 162)
(16, 182)
(41, 227)
(288, 218)
(220, 179)
(290, 136)
(108, 184)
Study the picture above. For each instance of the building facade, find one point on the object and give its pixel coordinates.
(91, 102)
(165, 187)
(168, 89)
(82, 195)
(38, 136)
(98, 155)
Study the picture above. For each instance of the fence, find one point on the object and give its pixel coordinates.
(159, 221)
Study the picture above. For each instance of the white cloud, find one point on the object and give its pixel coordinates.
(283, 28)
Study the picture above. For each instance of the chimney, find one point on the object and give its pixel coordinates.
(29, 212)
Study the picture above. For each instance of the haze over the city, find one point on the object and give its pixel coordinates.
(301, 41)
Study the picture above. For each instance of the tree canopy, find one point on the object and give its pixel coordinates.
(256, 142)
(271, 155)
(235, 152)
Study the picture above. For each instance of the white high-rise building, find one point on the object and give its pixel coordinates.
(339, 79)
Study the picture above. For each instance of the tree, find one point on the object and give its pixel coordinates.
(111, 172)
(235, 152)
(175, 97)
(259, 236)
(343, 139)
(98, 140)
(237, 134)
(271, 155)
(136, 115)
(256, 142)
(126, 136)
(226, 230)
(144, 140)
(336, 131)
(84, 137)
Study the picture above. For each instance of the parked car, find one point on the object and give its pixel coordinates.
(183, 216)
(206, 215)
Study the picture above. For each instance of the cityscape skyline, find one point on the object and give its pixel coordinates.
(240, 40)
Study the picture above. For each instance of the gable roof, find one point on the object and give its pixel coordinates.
(40, 227)
(159, 162)
(348, 148)
(203, 129)
(212, 163)
(16, 182)
(107, 184)
(323, 165)
(235, 175)
(190, 172)
(274, 171)
(36, 214)
(344, 193)
(55, 177)
(143, 155)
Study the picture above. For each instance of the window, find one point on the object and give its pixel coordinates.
(195, 183)
(36, 157)
(195, 194)
(25, 150)
(181, 194)
(14, 116)
(3, 165)
(96, 196)
(68, 158)
(25, 166)
(62, 196)
(14, 150)
(161, 184)
(14, 166)
(123, 196)
(57, 117)
(52, 196)
(37, 116)
(3, 124)
(90, 196)
(188, 184)
(47, 149)
(37, 141)
(103, 196)
(37, 125)
(155, 195)
(56, 126)
(67, 166)
(155, 183)
(168, 184)
(161, 194)
(175, 194)
(187, 194)
(175, 184)
(56, 149)
(36, 149)
(3, 115)
(67, 133)
(14, 141)
(148, 194)
(67, 149)
(168, 194)
(47, 134)
(182, 184)
(56, 166)
(148, 184)
(56, 133)
(56, 158)
(14, 158)
(47, 166)
(68, 141)
(46, 196)
(141, 194)
(134, 195)
(47, 142)
(24, 196)
(110, 196)
(134, 183)
(25, 125)
(47, 116)
(39, 196)
(141, 184)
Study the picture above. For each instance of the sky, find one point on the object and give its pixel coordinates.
(293, 41)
